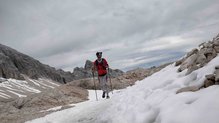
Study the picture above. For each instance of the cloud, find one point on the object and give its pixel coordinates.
(64, 34)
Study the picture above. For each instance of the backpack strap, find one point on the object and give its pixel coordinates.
(102, 61)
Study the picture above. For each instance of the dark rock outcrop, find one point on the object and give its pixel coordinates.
(81, 73)
(88, 65)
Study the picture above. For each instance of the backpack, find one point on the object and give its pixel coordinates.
(100, 63)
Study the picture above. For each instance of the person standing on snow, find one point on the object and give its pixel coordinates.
(101, 66)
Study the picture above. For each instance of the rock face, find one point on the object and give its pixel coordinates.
(197, 58)
(7, 68)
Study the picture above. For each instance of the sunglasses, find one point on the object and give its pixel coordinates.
(99, 53)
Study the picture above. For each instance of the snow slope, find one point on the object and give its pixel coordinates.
(12, 88)
(152, 100)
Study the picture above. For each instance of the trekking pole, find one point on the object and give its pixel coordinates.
(95, 86)
(110, 81)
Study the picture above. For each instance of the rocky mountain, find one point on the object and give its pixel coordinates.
(14, 64)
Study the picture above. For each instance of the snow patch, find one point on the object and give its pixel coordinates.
(4, 95)
(19, 95)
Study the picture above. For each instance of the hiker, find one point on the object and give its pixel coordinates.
(101, 66)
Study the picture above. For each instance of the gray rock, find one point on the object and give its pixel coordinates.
(209, 51)
(216, 48)
(88, 65)
(208, 83)
(208, 45)
(191, 69)
(190, 88)
(216, 42)
(201, 59)
(188, 62)
(66, 76)
(19, 103)
(177, 63)
(115, 72)
(217, 75)
(216, 39)
(210, 77)
(217, 67)
(194, 51)
(211, 55)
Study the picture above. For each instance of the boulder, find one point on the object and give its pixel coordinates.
(19, 103)
(216, 39)
(188, 62)
(177, 63)
(189, 88)
(208, 45)
(210, 77)
(216, 47)
(217, 75)
(191, 69)
(216, 42)
(209, 51)
(194, 51)
(81, 73)
(208, 83)
(201, 59)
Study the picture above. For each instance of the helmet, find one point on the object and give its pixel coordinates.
(98, 53)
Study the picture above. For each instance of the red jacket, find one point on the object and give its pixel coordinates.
(101, 67)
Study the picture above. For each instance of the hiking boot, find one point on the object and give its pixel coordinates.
(103, 96)
(107, 97)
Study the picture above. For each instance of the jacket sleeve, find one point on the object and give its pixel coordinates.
(105, 63)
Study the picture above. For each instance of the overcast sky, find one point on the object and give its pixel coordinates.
(131, 33)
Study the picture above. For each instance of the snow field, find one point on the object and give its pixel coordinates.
(152, 100)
